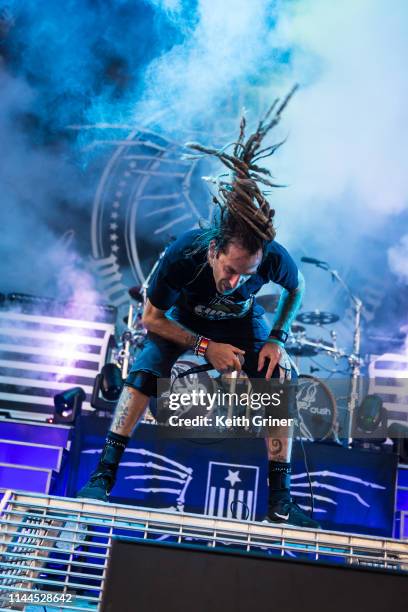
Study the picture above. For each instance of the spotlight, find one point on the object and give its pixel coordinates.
(68, 405)
(107, 388)
(111, 382)
(370, 414)
(370, 424)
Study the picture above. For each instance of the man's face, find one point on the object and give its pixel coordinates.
(232, 268)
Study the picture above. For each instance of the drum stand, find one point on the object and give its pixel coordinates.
(129, 339)
(354, 358)
(146, 282)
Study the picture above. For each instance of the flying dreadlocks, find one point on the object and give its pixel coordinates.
(242, 203)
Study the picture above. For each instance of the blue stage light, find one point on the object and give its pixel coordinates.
(68, 405)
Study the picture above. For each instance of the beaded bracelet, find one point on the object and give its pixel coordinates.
(201, 345)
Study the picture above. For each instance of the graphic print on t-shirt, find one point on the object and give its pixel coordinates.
(223, 307)
(184, 280)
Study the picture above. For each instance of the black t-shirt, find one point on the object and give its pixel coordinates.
(186, 281)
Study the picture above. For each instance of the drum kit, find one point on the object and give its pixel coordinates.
(316, 403)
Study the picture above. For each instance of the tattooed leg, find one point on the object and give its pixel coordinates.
(279, 444)
(129, 409)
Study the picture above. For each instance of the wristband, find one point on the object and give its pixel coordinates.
(201, 345)
(276, 341)
(279, 334)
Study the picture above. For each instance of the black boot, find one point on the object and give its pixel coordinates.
(281, 508)
(103, 478)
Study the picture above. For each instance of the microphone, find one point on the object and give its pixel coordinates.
(312, 260)
(205, 368)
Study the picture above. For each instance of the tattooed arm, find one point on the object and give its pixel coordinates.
(155, 321)
(289, 305)
(272, 353)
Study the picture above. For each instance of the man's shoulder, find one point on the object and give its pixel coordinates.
(189, 237)
(275, 249)
(184, 247)
(185, 242)
(278, 266)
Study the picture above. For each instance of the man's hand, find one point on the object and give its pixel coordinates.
(276, 355)
(224, 357)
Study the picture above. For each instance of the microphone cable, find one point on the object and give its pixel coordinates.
(306, 466)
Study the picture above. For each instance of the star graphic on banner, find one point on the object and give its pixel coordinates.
(113, 226)
(233, 477)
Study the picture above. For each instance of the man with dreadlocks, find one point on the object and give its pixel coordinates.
(202, 298)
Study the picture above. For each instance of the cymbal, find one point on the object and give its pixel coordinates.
(317, 317)
(269, 302)
(136, 293)
(297, 329)
(300, 350)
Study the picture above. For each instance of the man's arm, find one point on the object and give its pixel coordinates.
(273, 350)
(224, 357)
(155, 321)
(289, 304)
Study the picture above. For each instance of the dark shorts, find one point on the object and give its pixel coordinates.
(158, 355)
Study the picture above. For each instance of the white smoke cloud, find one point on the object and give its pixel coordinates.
(347, 127)
(223, 47)
(398, 259)
(346, 153)
(171, 6)
(345, 158)
(34, 182)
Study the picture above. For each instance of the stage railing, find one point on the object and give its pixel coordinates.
(62, 544)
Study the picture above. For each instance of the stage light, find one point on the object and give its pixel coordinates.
(370, 415)
(107, 388)
(111, 382)
(68, 405)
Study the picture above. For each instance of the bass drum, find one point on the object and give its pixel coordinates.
(204, 381)
(317, 411)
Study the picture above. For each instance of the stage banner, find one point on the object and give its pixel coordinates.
(354, 490)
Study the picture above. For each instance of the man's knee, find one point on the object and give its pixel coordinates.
(145, 382)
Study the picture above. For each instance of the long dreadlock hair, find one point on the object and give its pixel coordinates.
(244, 215)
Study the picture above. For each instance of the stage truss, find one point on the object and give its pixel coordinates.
(62, 545)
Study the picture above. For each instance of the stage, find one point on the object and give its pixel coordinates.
(63, 546)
